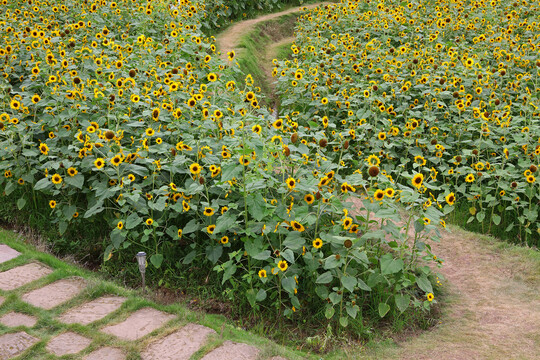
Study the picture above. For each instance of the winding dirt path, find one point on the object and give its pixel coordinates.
(491, 309)
(228, 39)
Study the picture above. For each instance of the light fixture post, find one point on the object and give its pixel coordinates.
(141, 261)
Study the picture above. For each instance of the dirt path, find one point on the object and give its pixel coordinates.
(493, 309)
(228, 40)
(492, 305)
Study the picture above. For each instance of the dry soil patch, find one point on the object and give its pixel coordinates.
(106, 353)
(7, 253)
(140, 323)
(179, 345)
(22, 275)
(14, 319)
(55, 294)
(233, 351)
(92, 311)
(67, 343)
(14, 344)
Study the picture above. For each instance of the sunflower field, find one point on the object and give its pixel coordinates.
(121, 115)
(448, 90)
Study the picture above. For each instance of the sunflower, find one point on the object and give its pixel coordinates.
(208, 211)
(211, 228)
(278, 124)
(52, 204)
(15, 105)
(180, 231)
(317, 243)
(195, 168)
(56, 179)
(116, 160)
(417, 180)
(120, 225)
(379, 195)
(291, 183)
(347, 222)
(373, 160)
(150, 132)
(244, 160)
(185, 205)
(450, 199)
(262, 273)
(224, 240)
(230, 55)
(309, 198)
(44, 149)
(389, 192)
(149, 221)
(430, 297)
(469, 178)
(382, 135)
(297, 226)
(531, 179)
(35, 99)
(282, 265)
(212, 77)
(72, 171)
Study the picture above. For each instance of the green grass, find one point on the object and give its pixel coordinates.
(47, 326)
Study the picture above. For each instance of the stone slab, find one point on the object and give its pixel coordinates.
(93, 311)
(14, 319)
(106, 353)
(140, 323)
(54, 294)
(233, 351)
(22, 275)
(7, 253)
(67, 343)
(14, 344)
(179, 345)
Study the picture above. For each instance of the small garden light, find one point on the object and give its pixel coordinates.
(141, 260)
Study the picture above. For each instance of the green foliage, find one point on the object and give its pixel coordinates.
(124, 117)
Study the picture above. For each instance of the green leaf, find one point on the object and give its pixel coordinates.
(263, 255)
(228, 273)
(62, 227)
(289, 284)
(21, 203)
(383, 309)
(189, 257)
(261, 295)
(496, 219)
(349, 282)
(288, 255)
(294, 241)
(230, 171)
(256, 206)
(225, 222)
(322, 291)
(389, 265)
(76, 181)
(251, 296)
(10, 187)
(156, 260)
(132, 221)
(324, 278)
(331, 262)
(213, 253)
(362, 285)
(352, 311)
(42, 184)
(117, 238)
(424, 284)
(344, 321)
(402, 302)
(329, 312)
(190, 227)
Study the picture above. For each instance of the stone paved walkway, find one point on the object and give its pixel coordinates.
(146, 323)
